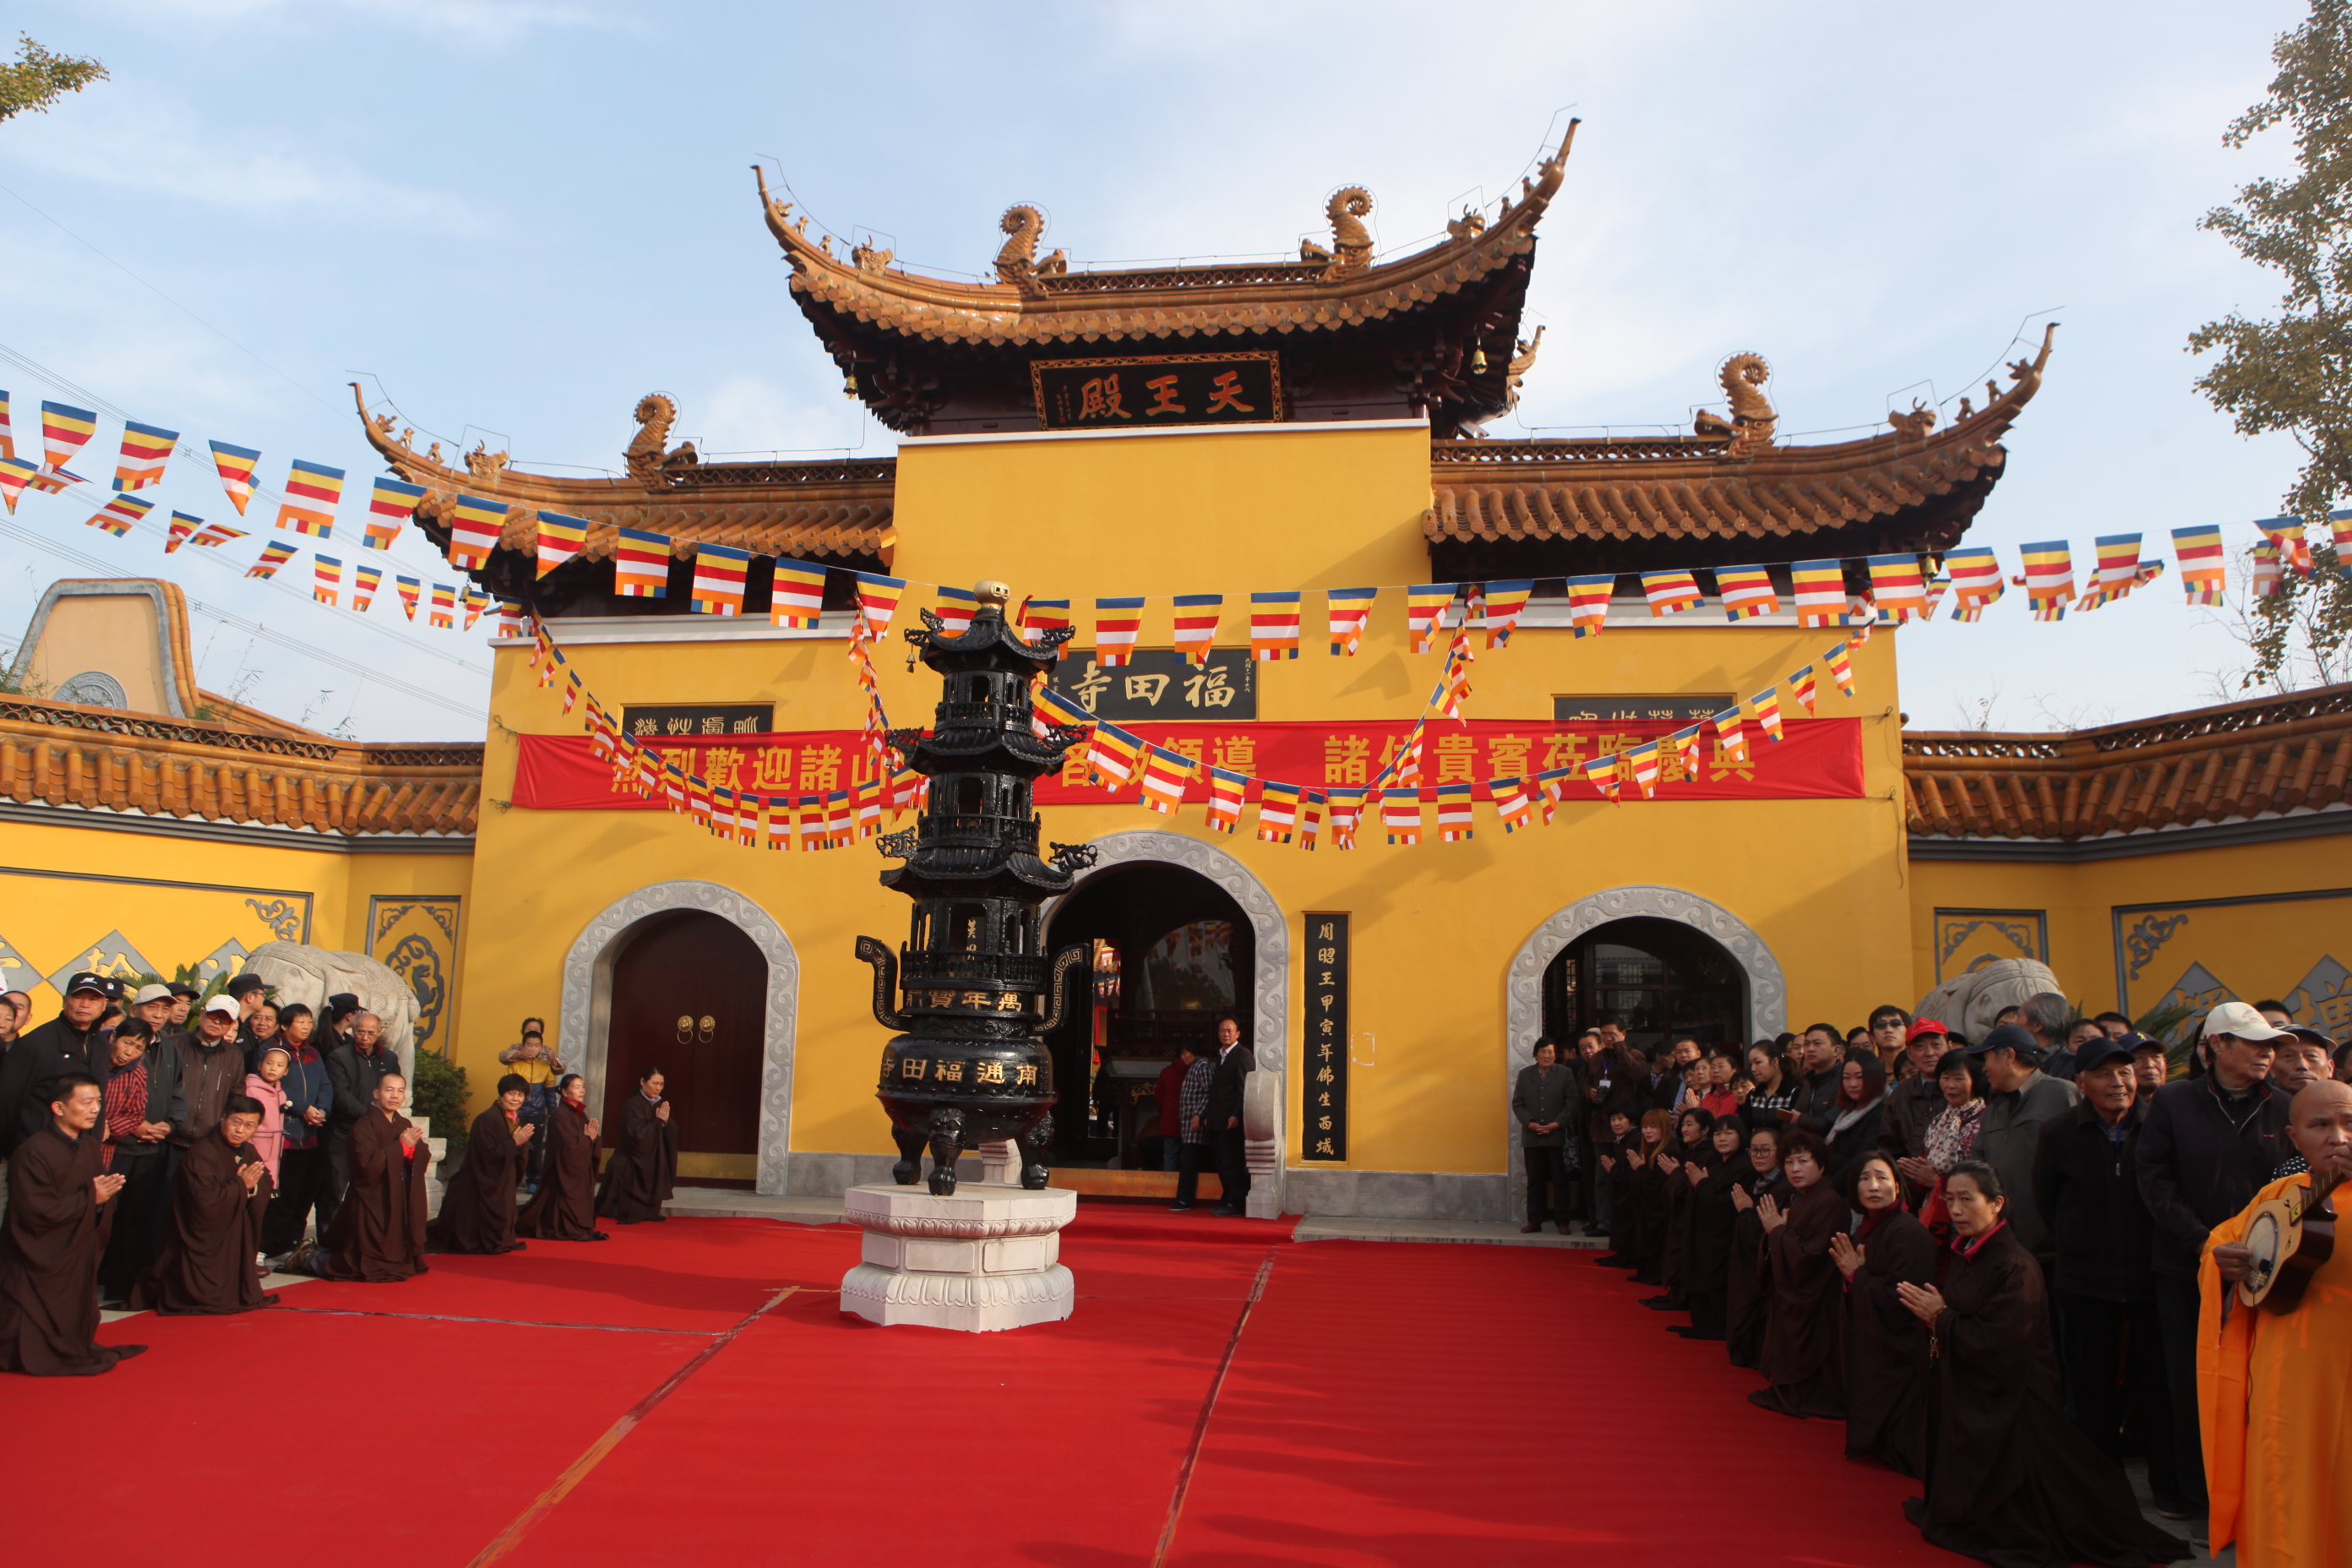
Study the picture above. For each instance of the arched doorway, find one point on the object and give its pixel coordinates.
(1187, 954)
(689, 996)
(1662, 979)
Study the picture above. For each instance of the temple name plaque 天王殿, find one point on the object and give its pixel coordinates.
(1140, 391)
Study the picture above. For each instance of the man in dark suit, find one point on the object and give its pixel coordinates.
(1235, 1063)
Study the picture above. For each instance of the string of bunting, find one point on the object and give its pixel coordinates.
(1117, 760)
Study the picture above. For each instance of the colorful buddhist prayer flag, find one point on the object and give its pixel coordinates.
(954, 607)
(1937, 587)
(775, 822)
(2049, 579)
(1165, 775)
(216, 534)
(1766, 706)
(117, 515)
(1506, 602)
(1454, 821)
(718, 574)
(1671, 592)
(236, 465)
(1348, 609)
(445, 606)
(1278, 811)
(1117, 623)
(1601, 773)
(2339, 526)
(1196, 625)
(407, 588)
(798, 599)
(181, 526)
(1226, 793)
(1686, 749)
(1643, 760)
(15, 473)
(1746, 592)
(1347, 811)
(64, 431)
(561, 537)
(475, 524)
(363, 586)
(1841, 665)
(313, 491)
(2270, 576)
(1898, 589)
(1821, 596)
(1552, 787)
(2204, 567)
(572, 687)
(53, 481)
(1731, 734)
(274, 554)
(8, 430)
(145, 450)
(2286, 532)
(1424, 606)
(1511, 803)
(326, 578)
(839, 819)
(1453, 692)
(1800, 687)
(877, 603)
(476, 602)
(641, 565)
(1588, 603)
(390, 506)
(1976, 581)
(1310, 818)
(1400, 814)
(1274, 624)
(1113, 756)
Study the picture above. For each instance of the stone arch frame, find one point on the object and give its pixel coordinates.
(1768, 987)
(587, 1010)
(1269, 986)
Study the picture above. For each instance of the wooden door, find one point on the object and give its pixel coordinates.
(690, 998)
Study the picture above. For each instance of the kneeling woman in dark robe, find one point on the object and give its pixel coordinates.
(1707, 1249)
(564, 1207)
(478, 1214)
(2011, 1481)
(1886, 1345)
(1685, 1167)
(1653, 1140)
(1748, 1285)
(1804, 1360)
(218, 1197)
(644, 1168)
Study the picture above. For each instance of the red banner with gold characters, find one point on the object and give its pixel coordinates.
(1820, 760)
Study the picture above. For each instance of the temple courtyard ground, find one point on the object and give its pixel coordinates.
(1227, 1394)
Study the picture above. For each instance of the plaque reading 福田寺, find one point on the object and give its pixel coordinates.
(1140, 391)
(699, 719)
(1158, 683)
(1682, 708)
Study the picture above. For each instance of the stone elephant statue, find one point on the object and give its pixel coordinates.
(1969, 1003)
(310, 974)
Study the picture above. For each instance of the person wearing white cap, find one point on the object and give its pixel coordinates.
(2209, 1144)
(212, 1068)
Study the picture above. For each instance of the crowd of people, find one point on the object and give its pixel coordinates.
(169, 1150)
(1992, 1259)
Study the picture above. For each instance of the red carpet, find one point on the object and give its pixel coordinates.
(633, 1401)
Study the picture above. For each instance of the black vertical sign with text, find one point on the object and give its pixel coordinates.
(1325, 1099)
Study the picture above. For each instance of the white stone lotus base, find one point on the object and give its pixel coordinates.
(984, 1259)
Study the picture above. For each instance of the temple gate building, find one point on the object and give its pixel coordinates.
(1308, 425)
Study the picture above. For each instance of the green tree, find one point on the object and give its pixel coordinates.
(35, 78)
(2294, 373)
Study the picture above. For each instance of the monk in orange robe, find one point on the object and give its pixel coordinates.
(2273, 1387)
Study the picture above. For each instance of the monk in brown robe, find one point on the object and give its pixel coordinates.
(378, 1234)
(217, 1197)
(1804, 1358)
(2009, 1478)
(60, 1208)
(478, 1213)
(644, 1169)
(564, 1207)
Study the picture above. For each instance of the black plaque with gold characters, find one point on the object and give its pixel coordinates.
(972, 988)
(1325, 1098)
(1159, 684)
(1143, 390)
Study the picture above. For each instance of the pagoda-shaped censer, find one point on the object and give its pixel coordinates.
(973, 989)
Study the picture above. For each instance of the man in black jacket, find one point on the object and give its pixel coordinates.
(1544, 1102)
(1234, 1064)
(2086, 1184)
(2209, 1143)
(68, 1043)
(1817, 1108)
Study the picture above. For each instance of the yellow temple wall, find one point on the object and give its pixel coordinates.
(2262, 919)
(75, 897)
(1435, 926)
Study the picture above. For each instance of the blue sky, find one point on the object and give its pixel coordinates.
(511, 221)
